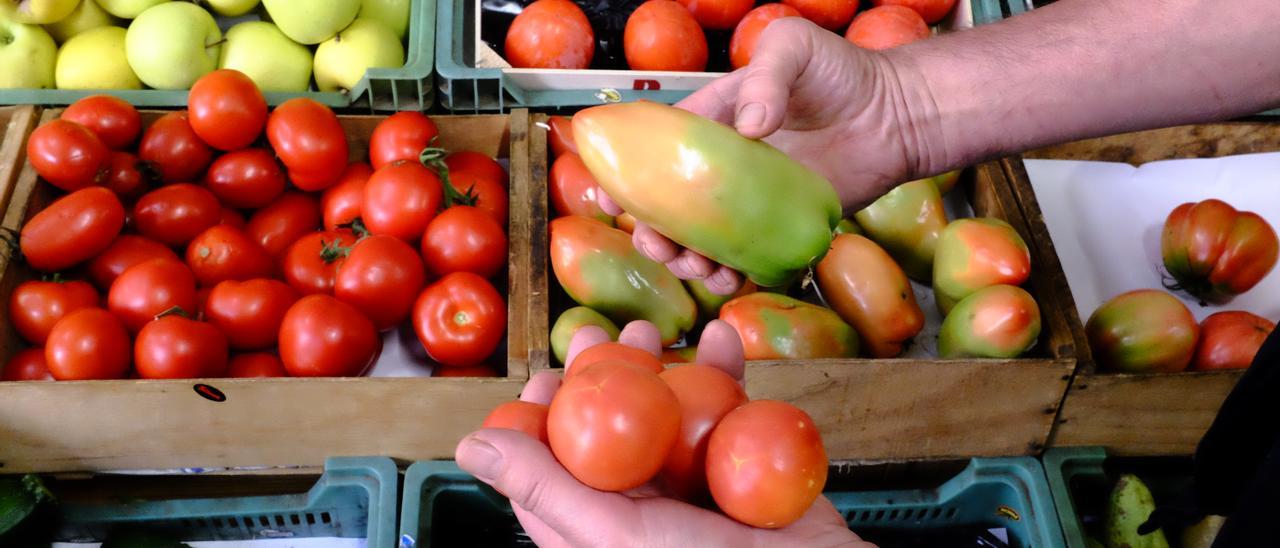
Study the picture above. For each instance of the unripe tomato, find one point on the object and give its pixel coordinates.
(1230, 340)
(1143, 331)
(550, 34)
(862, 283)
(1001, 321)
(1216, 252)
(662, 35)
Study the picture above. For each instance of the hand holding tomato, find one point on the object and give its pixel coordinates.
(556, 509)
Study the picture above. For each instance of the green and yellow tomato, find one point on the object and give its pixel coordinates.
(569, 322)
(709, 303)
(1001, 321)
(977, 253)
(1216, 252)
(906, 223)
(778, 327)
(847, 226)
(863, 284)
(946, 181)
(1143, 331)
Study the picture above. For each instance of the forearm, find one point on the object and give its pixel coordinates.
(1082, 68)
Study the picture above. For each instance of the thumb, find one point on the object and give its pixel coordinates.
(781, 54)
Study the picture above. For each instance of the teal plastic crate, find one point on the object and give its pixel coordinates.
(354, 498)
(409, 87)
(466, 88)
(444, 506)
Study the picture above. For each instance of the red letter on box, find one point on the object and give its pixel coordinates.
(644, 85)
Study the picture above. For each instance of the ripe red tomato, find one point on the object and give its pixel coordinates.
(460, 319)
(464, 239)
(174, 150)
(72, 229)
(311, 264)
(401, 136)
(249, 312)
(258, 364)
(340, 204)
(521, 416)
(718, 14)
(174, 347)
(550, 34)
(473, 371)
(662, 35)
(743, 43)
(124, 252)
(380, 278)
(27, 365)
(308, 138)
(766, 464)
(292, 216)
(68, 155)
(832, 15)
(706, 395)
(1230, 340)
(560, 135)
(931, 10)
(224, 252)
(613, 425)
(401, 199)
(175, 214)
(34, 306)
(613, 351)
(1215, 251)
(227, 109)
(149, 288)
(89, 343)
(112, 119)
(476, 165)
(573, 190)
(324, 337)
(247, 179)
(482, 180)
(231, 217)
(124, 177)
(886, 27)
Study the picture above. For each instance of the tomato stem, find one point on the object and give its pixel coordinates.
(331, 251)
(433, 158)
(357, 226)
(172, 311)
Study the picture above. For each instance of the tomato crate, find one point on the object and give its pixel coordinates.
(473, 76)
(165, 424)
(903, 408)
(1127, 413)
(18, 122)
(444, 506)
(409, 87)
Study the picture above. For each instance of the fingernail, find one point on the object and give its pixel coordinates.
(481, 459)
(750, 116)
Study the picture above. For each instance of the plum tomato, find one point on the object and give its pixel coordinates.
(112, 119)
(174, 347)
(706, 395)
(127, 250)
(149, 288)
(249, 313)
(223, 252)
(460, 319)
(173, 149)
(663, 35)
(560, 135)
(89, 343)
(246, 179)
(521, 416)
(573, 190)
(324, 337)
(35, 305)
(284, 221)
(308, 138)
(227, 109)
(176, 214)
(68, 155)
(27, 365)
(73, 229)
(258, 364)
(340, 204)
(551, 34)
(125, 178)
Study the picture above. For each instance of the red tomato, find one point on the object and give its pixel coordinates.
(380, 278)
(931, 10)
(124, 252)
(1229, 340)
(886, 27)
(662, 35)
(460, 319)
(766, 464)
(718, 14)
(401, 136)
(175, 214)
(231, 217)
(476, 165)
(550, 34)
(401, 199)
(706, 395)
(247, 179)
(34, 306)
(149, 288)
(832, 15)
(174, 150)
(223, 252)
(464, 239)
(1215, 251)
(612, 425)
(340, 204)
(573, 190)
(227, 109)
(249, 312)
(311, 264)
(174, 347)
(89, 343)
(71, 230)
(292, 216)
(310, 141)
(613, 351)
(124, 177)
(521, 416)
(748, 31)
(112, 119)
(27, 365)
(482, 183)
(261, 364)
(68, 155)
(473, 371)
(324, 337)
(560, 135)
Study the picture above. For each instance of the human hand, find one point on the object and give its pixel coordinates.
(556, 509)
(838, 109)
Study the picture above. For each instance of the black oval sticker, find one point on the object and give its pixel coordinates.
(210, 393)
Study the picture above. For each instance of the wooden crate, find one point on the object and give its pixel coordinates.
(1136, 414)
(900, 409)
(132, 424)
(18, 122)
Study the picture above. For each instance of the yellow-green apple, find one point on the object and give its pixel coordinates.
(28, 53)
(88, 15)
(38, 12)
(172, 45)
(232, 8)
(392, 13)
(267, 56)
(342, 60)
(95, 59)
(128, 9)
(310, 22)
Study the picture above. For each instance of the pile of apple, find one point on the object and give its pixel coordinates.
(164, 44)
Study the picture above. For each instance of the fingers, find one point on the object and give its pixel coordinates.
(721, 347)
(642, 335)
(723, 281)
(607, 205)
(716, 100)
(781, 54)
(585, 337)
(653, 245)
(541, 388)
